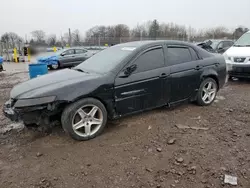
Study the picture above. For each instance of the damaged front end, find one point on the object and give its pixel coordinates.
(39, 111)
(206, 46)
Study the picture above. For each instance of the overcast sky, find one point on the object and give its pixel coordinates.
(56, 16)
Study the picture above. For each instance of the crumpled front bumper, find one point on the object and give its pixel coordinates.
(10, 112)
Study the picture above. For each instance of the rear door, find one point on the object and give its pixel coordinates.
(143, 88)
(185, 72)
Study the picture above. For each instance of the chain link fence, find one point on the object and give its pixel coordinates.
(109, 41)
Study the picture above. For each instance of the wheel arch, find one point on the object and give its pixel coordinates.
(210, 74)
(108, 104)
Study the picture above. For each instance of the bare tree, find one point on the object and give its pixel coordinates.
(76, 36)
(139, 32)
(51, 40)
(121, 30)
(238, 32)
(12, 39)
(39, 35)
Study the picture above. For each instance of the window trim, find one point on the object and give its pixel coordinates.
(194, 58)
(85, 51)
(143, 52)
(69, 50)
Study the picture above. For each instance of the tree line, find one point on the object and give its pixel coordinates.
(113, 34)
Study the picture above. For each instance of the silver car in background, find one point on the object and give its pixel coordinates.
(73, 56)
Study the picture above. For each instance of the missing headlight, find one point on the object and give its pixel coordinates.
(34, 101)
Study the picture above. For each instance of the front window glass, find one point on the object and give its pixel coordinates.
(150, 60)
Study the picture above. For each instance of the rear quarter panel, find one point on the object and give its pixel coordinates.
(215, 67)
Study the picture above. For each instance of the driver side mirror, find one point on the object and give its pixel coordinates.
(63, 54)
(128, 71)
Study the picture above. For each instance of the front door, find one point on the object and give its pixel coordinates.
(67, 57)
(185, 72)
(143, 88)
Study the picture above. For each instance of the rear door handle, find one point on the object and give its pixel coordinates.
(198, 67)
(217, 64)
(163, 75)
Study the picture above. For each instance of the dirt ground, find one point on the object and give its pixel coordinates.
(162, 148)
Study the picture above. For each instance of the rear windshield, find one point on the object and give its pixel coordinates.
(106, 60)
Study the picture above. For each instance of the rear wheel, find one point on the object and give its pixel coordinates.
(84, 119)
(207, 92)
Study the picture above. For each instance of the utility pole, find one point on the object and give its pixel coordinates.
(99, 40)
(69, 37)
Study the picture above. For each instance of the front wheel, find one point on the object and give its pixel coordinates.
(54, 66)
(207, 92)
(84, 119)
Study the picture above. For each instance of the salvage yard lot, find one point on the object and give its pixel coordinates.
(160, 148)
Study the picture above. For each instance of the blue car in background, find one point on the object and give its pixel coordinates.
(68, 57)
(1, 64)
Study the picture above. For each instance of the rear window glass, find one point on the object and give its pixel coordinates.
(177, 55)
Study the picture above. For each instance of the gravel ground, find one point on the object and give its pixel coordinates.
(184, 147)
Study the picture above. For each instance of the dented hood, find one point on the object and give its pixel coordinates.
(49, 84)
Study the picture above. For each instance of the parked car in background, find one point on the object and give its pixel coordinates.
(68, 57)
(1, 64)
(238, 57)
(216, 46)
(121, 80)
(206, 46)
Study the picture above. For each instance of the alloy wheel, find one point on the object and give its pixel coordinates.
(87, 120)
(55, 66)
(209, 92)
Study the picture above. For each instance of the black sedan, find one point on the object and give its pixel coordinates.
(121, 80)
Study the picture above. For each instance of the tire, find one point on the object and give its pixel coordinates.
(78, 121)
(210, 96)
(55, 66)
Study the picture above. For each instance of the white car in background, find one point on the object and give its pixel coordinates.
(238, 57)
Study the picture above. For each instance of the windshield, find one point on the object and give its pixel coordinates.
(214, 44)
(106, 60)
(244, 40)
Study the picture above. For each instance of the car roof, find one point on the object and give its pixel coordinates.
(219, 40)
(139, 44)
